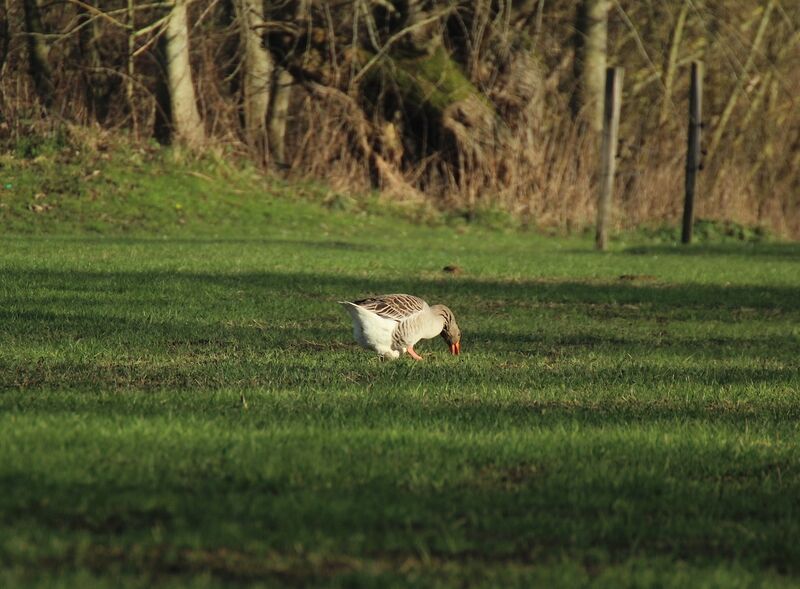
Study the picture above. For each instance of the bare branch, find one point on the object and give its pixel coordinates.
(396, 37)
(160, 23)
(99, 13)
(639, 42)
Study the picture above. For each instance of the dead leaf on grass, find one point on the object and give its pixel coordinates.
(42, 208)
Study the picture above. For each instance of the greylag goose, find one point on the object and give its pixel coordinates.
(391, 324)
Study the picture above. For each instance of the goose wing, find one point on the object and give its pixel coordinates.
(393, 306)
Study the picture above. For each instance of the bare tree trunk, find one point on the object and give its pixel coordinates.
(187, 127)
(131, 68)
(39, 52)
(672, 61)
(5, 39)
(590, 61)
(736, 93)
(537, 26)
(257, 78)
(96, 80)
(278, 117)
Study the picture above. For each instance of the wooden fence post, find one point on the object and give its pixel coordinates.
(693, 148)
(608, 152)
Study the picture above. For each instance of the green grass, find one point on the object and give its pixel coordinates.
(181, 404)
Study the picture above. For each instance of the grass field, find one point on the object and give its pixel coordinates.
(187, 408)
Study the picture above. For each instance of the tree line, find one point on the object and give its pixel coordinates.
(464, 104)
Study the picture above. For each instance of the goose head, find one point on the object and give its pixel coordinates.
(451, 333)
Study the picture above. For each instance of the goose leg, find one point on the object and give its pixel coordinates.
(412, 353)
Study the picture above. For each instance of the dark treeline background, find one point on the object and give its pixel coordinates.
(466, 105)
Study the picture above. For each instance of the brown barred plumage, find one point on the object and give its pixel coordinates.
(393, 306)
(392, 324)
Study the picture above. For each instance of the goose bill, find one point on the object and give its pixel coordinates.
(455, 348)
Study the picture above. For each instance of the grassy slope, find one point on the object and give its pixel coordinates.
(181, 401)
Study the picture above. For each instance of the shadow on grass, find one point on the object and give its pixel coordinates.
(790, 251)
(333, 287)
(691, 506)
(155, 329)
(460, 399)
(202, 241)
(204, 371)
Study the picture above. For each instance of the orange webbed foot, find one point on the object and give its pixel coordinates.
(412, 353)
